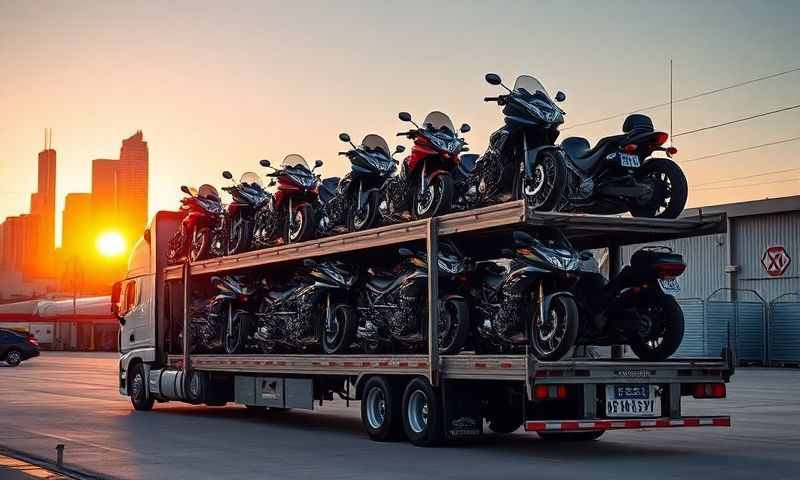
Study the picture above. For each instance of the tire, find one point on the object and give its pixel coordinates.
(13, 357)
(240, 238)
(545, 195)
(672, 326)
(304, 221)
(240, 326)
(441, 198)
(571, 436)
(346, 325)
(137, 389)
(201, 244)
(422, 414)
(197, 387)
(370, 217)
(381, 410)
(552, 342)
(455, 337)
(675, 193)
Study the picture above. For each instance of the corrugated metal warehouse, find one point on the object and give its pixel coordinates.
(746, 281)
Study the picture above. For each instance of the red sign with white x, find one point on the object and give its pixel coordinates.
(776, 260)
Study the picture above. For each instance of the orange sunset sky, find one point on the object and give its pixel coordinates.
(219, 85)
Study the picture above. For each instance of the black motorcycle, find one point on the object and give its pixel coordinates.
(224, 322)
(637, 307)
(248, 196)
(352, 202)
(523, 299)
(521, 160)
(619, 175)
(312, 309)
(201, 230)
(393, 306)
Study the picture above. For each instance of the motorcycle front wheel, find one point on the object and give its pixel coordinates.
(201, 244)
(543, 190)
(240, 237)
(553, 337)
(301, 225)
(236, 338)
(453, 325)
(359, 219)
(340, 333)
(665, 333)
(435, 200)
(670, 189)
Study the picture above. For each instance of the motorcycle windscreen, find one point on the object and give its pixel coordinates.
(437, 121)
(374, 142)
(530, 84)
(251, 178)
(208, 191)
(295, 161)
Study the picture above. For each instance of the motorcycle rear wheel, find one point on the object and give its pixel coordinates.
(670, 189)
(240, 323)
(454, 317)
(667, 312)
(342, 337)
(554, 338)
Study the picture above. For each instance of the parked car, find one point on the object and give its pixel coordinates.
(16, 347)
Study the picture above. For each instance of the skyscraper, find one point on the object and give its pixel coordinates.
(76, 218)
(105, 197)
(132, 185)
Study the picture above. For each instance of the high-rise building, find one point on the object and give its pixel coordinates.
(75, 234)
(132, 186)
(105, 213)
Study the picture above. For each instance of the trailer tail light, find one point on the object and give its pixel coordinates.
(670, 270)
(550, 392)
(710, 390)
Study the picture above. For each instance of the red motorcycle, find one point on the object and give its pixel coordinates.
(200, 233)
(289, 213)
(426, 173)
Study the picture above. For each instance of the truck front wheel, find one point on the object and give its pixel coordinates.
(137, 389)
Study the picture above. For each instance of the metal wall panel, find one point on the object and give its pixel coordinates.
(750, 332)
(718, 315)
(752, 236)
(694, 333)
(784, 332)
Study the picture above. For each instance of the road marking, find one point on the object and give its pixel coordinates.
(29, 469)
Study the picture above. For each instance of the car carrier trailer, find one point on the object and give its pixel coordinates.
(428, 398)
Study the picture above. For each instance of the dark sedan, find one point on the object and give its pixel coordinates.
(16, 347)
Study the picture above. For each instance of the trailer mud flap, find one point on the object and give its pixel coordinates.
(462, 410)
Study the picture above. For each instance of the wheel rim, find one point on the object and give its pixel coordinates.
(376, 408)
(297, 223)
(198, 243)
(137, 386)
(425, 200)
(447, 322)
(539, 189)
(550, 332)
(333, 328)
(14, 357)
(236, 236)
(360, 220)
(418, 411)
(232, 340)
(652, 339)
(194, 386)
(662, 192)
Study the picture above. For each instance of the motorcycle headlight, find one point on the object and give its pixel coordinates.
(450, 267)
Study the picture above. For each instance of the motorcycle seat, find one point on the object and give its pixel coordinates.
(585, 157)
(379, 278)
(328, 188)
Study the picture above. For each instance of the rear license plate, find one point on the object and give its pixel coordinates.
(670, 286)
(628, 160)
(632, 400)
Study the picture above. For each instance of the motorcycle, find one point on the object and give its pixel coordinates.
(636, 307)
(522, 160)
(289, 213)
(312, 309)
(393, 306)
(224, 321)
(618, 174)
(248, 196)
(426, 173)
(200, 230)
(523, 298)
(353, 200)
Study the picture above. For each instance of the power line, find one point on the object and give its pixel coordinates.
(744, 177)
(745, 149)
(686, 99)
(796, 179)
(738, 120)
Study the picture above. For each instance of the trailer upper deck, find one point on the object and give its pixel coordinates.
(584, 231)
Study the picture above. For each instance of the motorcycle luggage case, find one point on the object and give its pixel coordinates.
(648, 257)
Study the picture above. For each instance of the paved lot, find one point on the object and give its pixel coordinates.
(72, 399)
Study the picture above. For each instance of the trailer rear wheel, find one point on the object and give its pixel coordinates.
(138, 389)
(571, 436)
(380, 409)
(422, 413)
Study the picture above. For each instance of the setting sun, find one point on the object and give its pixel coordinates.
(110, 244)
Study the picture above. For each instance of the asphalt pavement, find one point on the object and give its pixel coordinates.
(72, 398)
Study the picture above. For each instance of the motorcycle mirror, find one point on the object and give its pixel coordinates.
(404, 116)
(227, 175)
(560, 96)
(264, 163)
(185, 190)
(344, 137)
(465, 128)
(309, 263)
(317, 163)
(399, 149)
(405, 252)
(493, 79)
(271, 183)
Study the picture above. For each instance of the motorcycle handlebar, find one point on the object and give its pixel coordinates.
(491, 99)
(343, 153)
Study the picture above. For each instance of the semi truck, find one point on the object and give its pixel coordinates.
(426, 398)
